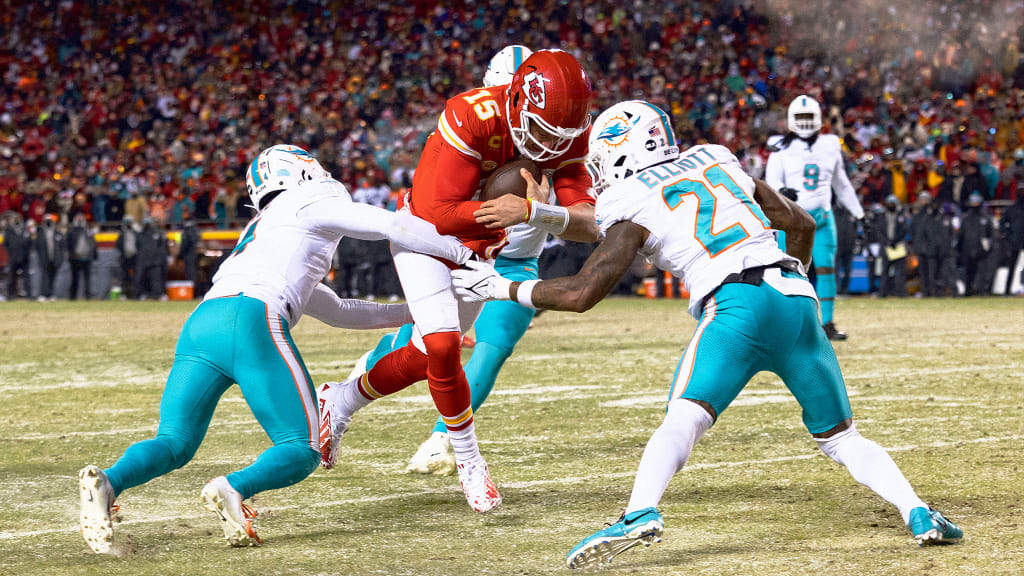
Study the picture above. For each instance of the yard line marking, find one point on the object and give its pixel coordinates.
(14, 535)
(150, 380)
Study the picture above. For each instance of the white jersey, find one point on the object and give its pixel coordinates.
(703, 221)
(813, 171)
(286, 250)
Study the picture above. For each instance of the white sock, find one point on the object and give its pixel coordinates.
(349, 398)
(667, 451)
(464, 443)
(872, 466)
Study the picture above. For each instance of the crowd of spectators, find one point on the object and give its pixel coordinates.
(153, 109)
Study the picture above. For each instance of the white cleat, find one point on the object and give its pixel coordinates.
(433, 457)
(97, 510)
(235, 517)
(333, 422)
(475, 479)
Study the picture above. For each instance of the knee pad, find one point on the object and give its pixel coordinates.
(832, 446)
(444, 354)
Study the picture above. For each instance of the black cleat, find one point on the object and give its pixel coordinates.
(833, 333)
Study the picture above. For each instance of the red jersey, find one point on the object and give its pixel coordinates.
(472, 139)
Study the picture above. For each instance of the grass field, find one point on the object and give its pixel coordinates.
(939, 383)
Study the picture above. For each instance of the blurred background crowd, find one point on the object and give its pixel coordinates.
(129, 116)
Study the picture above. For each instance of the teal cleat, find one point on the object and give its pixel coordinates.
(931, 527)
(640, 527)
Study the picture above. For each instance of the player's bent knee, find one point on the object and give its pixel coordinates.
(688, 418)
(310, 463)
(832, 445)
(180, 450)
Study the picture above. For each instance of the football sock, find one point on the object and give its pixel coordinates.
(279, 466)
(481, 372)
(395, 371)
(150, 459)
(667, 451)
(826, 290)
(872, 466)
(464, 443)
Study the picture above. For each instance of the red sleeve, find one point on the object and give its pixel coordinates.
(573, 185)
(453, 180)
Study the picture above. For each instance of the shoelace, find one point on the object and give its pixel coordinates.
(250, 515)
(476, 477)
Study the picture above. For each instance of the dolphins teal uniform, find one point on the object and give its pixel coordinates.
(814, 171)
(756, 309)
(240, 333)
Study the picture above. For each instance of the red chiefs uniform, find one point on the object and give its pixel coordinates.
(472, 140)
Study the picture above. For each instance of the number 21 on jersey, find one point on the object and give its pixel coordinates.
(710, 216)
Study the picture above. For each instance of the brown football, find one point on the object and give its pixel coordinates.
(506, 179)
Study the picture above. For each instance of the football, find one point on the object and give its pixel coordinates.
(507, 179)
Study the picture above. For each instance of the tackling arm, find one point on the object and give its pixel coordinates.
(602, 270)
(325, 306)
(787, 216)
(341, 217)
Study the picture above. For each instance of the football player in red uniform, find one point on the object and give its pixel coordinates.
(543, 115)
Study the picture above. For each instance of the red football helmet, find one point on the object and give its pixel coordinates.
(548, 104)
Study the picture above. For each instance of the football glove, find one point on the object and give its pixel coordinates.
(788, 193)
(480, 282)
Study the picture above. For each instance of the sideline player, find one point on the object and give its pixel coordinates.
(543, 115)
(809, 164)
(240, 333)
(698, 215)
(500, 324)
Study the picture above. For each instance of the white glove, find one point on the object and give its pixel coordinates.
(480, 283)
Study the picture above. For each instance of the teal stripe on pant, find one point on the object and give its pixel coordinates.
(824, 257)
(499, 327)
(226, 340)
(755, 328)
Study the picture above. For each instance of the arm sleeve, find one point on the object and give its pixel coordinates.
(774, 175)
(573, 185)
(325, 306)
(844, 190)
(337, 216)
(456, 177)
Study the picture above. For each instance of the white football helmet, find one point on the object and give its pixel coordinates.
(278, 168)
(804, 116)
(504, 64)
(627, 138)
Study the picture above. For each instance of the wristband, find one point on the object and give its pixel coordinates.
(524, 294)
(547, 217)
(529, 209)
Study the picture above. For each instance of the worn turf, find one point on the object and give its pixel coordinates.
(938, 382)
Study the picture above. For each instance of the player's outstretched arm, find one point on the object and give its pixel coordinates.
(354, 314)
(600, 273)
(340, 216)
(479, 281)
(787, 216)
